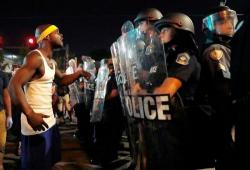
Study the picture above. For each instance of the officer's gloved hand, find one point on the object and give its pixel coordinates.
(9, 122)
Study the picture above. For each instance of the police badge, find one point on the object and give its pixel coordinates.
(216, 54)
(183, 59)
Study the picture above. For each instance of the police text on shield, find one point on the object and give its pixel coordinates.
(150, 107)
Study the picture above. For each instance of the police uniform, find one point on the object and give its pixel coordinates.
(219, 27)
(216, 81)
(183, 65)
(164, 143)
(171, 151)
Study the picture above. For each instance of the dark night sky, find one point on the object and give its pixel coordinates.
(94, 24)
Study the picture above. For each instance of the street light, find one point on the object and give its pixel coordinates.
(31, 42)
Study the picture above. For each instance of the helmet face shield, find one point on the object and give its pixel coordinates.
(219, 17)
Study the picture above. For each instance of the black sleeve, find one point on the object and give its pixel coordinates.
(182, 72)
(111, 84)
(209, 66)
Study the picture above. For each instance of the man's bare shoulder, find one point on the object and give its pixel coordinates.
(28, 71)
(33, 59)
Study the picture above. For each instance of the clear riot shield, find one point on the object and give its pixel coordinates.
(126, 27)
(118, 53)
(100, 92)
(145, 72)
(89, 65)
(119, 75)
(89, 85)
(75, 92)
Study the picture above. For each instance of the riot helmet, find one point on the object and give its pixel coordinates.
(149, 14)
(180, 21)
(177, 20)
(180, 30)
(219, 16)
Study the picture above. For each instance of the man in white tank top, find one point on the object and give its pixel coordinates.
(40, 136)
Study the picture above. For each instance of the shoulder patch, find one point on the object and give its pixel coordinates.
(216, 54)
(183, 59)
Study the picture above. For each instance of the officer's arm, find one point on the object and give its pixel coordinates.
(169, 86)
(114, 93)
(179, 73)
(211, 63)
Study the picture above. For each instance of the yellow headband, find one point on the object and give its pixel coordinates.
(46, 32)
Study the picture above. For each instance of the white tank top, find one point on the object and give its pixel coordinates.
(39, 96)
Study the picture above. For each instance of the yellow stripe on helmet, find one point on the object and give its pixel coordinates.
(46, 32)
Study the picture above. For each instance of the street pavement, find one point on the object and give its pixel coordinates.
(74, 154)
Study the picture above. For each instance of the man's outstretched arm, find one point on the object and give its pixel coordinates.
(70, 78)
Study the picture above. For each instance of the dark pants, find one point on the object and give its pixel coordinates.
(223, 144)
(243, 137)
(16, 127)
(84, 132)
(42, 151)
(107, 136)
(211, 140)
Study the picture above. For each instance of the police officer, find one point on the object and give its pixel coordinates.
(142, 21)
(219, 28)
(177, 34)
(240, 76)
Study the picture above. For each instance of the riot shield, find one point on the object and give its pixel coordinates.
(120, 79)
(118, 53)
(75, 92)
(89, 65)
(126, 27)
(119, 57)
(146, 70)
(89, 85)
(100, 92)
